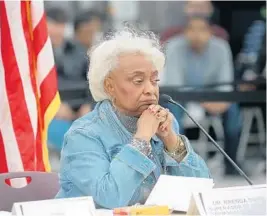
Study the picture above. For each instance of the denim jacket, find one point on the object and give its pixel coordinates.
(98, 160)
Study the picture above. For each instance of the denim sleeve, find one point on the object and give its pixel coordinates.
(192, 165)
(111, 182)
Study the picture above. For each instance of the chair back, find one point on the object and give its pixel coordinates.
(42, 186)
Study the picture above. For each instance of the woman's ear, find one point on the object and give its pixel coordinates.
(108, 86)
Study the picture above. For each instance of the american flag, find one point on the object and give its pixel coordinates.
(29, 96)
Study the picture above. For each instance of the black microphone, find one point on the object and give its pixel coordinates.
(167, 99)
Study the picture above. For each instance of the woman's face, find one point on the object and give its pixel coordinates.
(133, 84)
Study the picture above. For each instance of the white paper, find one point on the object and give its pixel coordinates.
(104, 212)
(176, 191)
(82, 206)
(5, 213)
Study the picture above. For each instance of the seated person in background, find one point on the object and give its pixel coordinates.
(203, 8)
(117, 152)
(72, 67)
(251, 61)
(197, 58)
(56, 24)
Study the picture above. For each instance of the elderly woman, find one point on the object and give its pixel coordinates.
(117, 152)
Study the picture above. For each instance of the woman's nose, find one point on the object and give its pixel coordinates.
(149, 88)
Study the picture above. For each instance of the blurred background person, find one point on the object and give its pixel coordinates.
(197, 58)
(74, 62)
(202, 8)
(72, 66)
(251, 60)
(56, 24)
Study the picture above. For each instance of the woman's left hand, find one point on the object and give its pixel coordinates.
(165, 127)
(165, 130)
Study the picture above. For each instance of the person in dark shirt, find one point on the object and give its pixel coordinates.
(56, 24)
(72, 67)
(74, 62)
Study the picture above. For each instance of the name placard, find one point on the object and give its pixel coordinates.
(175, 191)
(82, 206)
(248, 200)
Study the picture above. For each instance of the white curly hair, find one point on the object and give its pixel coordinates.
(103, 57)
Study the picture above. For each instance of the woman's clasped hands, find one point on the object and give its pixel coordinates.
(154, 120)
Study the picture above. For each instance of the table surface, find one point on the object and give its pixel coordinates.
(99, 212)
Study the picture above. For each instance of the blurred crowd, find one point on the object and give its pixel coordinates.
(198, 54)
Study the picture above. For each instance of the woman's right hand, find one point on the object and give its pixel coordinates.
(148, 123)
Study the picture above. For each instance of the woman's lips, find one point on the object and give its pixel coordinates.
(149, 102)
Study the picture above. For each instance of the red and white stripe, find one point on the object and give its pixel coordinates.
(25, 91)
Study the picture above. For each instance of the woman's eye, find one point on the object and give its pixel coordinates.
(156, 80)
(138, 81)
